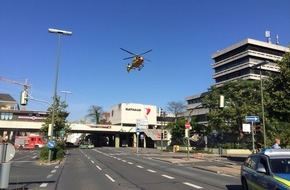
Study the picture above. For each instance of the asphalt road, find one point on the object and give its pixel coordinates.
(110, 168)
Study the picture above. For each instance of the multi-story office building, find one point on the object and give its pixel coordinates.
(239, 61)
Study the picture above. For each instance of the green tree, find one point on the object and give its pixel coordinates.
(95, 113)
(177, 131)
(277, 103)
(60, 119)
(241, 99)
(278, 90)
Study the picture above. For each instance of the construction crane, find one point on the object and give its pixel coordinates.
(24, 93)
(26, 86)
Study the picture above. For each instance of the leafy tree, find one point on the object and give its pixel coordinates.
(95, 113)
(277, 103)
(60, 121)
(177, 131)
(278, 90)
(241, 99)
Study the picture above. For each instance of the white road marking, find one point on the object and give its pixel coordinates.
(228, 175)
(92, 161)
(167, 176)
(99, 168)
(43, 185)
(130, 163)
(124, 161)
(110, 178)
(152, 171)
(192, 185)
(53, 171)
(49, 176)
(56, 167)
(138, 166)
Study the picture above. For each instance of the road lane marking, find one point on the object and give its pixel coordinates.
(228, 175)
(53, 171)
(124, 161)
(130, 163)
(49, 176)
(56, 167)
(152, 171)
(167, 176)
(43, 185)
(99, 168)
(192, 185)
(138, 166)
(110, 178)
(92, 161)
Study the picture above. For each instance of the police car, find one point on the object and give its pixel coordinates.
(269, 170)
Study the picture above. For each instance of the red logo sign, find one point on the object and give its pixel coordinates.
(147, 111)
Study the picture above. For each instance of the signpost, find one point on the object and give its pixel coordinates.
(51, 144)
(7, 152)
(253, 119)
(187, 128)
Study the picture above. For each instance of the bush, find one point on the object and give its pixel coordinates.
(57, 153)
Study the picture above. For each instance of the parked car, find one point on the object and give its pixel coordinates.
(86, 145)
(269, 170)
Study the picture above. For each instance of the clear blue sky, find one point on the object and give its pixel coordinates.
(182, 33)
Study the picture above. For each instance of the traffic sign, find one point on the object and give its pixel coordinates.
(187, 125)
(7, 152)
(252, 119)
(51, 144)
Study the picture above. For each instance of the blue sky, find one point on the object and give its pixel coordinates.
(182, 33)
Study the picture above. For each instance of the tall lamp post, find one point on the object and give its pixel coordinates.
(65, 93)
(50, 130)
(262, 99)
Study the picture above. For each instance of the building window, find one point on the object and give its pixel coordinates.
(6, 116)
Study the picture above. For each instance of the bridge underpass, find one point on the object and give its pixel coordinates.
(99, 135)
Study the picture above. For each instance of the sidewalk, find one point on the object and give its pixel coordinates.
(209, 162)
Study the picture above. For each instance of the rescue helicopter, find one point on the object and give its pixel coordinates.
(137, 60)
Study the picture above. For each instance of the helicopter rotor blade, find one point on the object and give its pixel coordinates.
(146, 52)
(146, 59)
(128, 51)
(129, 57)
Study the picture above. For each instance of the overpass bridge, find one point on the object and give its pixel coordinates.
(114, 135)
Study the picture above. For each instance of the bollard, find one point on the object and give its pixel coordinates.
(4, 175)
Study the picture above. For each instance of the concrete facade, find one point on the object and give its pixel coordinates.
(236, 62)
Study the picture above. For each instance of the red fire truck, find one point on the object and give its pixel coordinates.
(29, 142)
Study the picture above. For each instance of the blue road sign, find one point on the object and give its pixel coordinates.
(252, 119)
(51, 144)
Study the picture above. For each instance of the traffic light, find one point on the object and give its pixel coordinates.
(258, 128)
(161, 135)
(165, 135)
(23, 98)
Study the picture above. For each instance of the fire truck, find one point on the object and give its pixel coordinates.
(29, 142)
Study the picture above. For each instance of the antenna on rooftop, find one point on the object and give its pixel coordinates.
(277, 41)
(268, 36)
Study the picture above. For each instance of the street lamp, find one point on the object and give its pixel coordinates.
(59, 33)
(65, 93)
(262, 98)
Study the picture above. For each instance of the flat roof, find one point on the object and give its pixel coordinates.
(249, 41)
